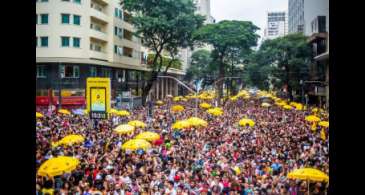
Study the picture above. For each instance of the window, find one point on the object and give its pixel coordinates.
(44, 0)
(44, 18)
(41, 72)
(93, 71)
(106, 72)
(115, 30)
(44, 41)
(77, 19)
(76, 42)
(115, 49)
(116, 12)
(69, 71)
(120, 14)
(65, 18)
(65, 41)
(77, 1)
(66, 0)
(36, 18)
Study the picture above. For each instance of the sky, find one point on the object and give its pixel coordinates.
(246, 10)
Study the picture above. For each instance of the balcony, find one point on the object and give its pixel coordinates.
(98, 55)
(101, 2)
(98, 15)
(98, 35)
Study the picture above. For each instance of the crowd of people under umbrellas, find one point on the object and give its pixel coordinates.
(222, 158)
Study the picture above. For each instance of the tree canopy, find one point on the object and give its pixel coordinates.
(230, 39)
(163, 25)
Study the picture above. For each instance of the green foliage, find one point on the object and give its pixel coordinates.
(201, 66)
(285, 59)
(175, 63)
(231, 40)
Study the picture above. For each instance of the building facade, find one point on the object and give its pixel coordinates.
(296, 16)
(277, 25)
(77, 39)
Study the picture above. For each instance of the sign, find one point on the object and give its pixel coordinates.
(98, 97)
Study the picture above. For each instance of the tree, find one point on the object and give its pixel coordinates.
(227, 37)
(286, 59)
(201, 67)
(163, 25)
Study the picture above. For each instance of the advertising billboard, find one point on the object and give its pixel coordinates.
(98, 97)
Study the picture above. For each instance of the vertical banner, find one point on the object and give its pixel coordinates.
(98, 97)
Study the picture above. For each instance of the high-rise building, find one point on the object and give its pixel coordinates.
(277, 25)
(296, 16)
(76, 39)
(301, 13)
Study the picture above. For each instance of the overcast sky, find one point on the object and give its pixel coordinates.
(247, 10)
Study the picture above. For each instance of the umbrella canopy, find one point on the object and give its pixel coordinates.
(205, 105)
(215, 111)
(312, 118)
(245, 121)
(159, 102)
(64, 111)
(113, 111)
(123, 113)
(148, 135)
(137, 123)
(181, 124)
(324, 124)
(169, 96)
(308, 174)
(177, 98)
(38, 115)
(71, 139)
(287, 107)
(265, 104)
(315, 110)
(58, 166)
(195, 121)
(177, 108)
(135, 144)
(124, 129)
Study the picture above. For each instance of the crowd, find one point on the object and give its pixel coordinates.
(222, 158)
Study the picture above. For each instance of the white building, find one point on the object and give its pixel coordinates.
(277, 25)
(81, 38)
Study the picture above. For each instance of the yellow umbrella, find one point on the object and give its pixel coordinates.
(195, 121)
(315, 110)
(177, 98)
(58, 166)
(308, 174)
(71, 139)
(312, 118)
(181, 124)
(159, 102)
(38, 115)
(287, 107)
(64, 111)
(215, 111)
(245, 121)
(324, 124)
(137, 123)
(135, 144)
(205, 105)
(177, 108)
(265, 104)
(123, 113)
(323, 134)
(148, 135)
(113, 111)
(124, 129)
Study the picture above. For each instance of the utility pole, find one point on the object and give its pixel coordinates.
(60, 86)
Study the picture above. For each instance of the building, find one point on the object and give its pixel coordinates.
(203, 8)
(318, 88)
(77, 39)
(302, 12)
(277, 25)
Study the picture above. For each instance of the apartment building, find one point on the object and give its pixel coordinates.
(76, 39)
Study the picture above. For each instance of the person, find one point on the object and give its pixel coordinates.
(195, 160)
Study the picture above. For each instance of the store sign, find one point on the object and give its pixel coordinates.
(98, 97)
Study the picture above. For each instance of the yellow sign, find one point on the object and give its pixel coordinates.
(98, 96)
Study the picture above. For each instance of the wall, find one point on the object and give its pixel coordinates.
(312, 9)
